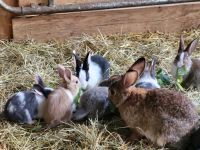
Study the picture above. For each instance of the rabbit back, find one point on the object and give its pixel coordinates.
(94, 103)
(21, 107)
(163, 115)
(193, 77)
(59, 106)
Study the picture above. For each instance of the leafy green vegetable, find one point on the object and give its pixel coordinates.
(77, 97)
(162, 77)
(179, 76)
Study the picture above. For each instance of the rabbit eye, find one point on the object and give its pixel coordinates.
(112, 92)
(76, 82)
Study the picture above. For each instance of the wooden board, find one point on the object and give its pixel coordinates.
(57, 2)
(6, 21)
(164, 18)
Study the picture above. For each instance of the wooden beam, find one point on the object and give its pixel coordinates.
(164, 18)
(57, 2)
(6, 21)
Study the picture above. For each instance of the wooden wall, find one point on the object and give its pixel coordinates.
(6, 21)
(164, 18)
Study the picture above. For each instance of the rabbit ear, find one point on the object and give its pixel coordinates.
(39, 80)
(64, 73)
(77, 61)
(85, 62)
(129, 78)
(133, 72)
(138, 66)
(153, 68)
(181, 44)
(192, 46)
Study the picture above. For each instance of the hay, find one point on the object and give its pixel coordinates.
(19, 62)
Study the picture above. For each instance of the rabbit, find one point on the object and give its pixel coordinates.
(93, 103)
(59, 106)
(163, 116)
(25, 106)
(148, 78)
(92, 71)
(194, 140)
(183, 58)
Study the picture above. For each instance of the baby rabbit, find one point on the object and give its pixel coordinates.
(25, 106)
(148, 78)
(161, 115)
(93, 69)
(59, 106)
(192, 65)
(93, 103)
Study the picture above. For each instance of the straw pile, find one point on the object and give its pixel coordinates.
(19, 62)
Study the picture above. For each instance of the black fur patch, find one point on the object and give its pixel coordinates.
(103, 64)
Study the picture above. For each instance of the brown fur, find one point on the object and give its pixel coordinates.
(193, 77)
(162, 115)
(59, 106)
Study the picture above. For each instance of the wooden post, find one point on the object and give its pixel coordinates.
(6, 21)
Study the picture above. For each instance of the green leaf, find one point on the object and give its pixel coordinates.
(162, 77)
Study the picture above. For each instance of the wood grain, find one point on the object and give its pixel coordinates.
(57, 2)
(6, 21)
(164, 18)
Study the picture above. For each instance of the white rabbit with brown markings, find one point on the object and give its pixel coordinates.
(163, 116)
(148, 78)
(191, 65)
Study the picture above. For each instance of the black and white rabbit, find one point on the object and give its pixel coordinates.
(25, 106)
(148, 78)
(93, 103)
(92, 71)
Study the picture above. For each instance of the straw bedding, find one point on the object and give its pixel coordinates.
(20, 61)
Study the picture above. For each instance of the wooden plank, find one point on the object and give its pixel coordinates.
(57, 2)
(164, 18)
(6, 21)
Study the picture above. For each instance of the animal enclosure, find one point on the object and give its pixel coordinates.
(121, 35)
(144, 16)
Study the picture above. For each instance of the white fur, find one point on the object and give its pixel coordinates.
(11, 108)
(69, 93)
(21, 98)
(41, 100)
(94, 75)
(71, 97)
(28, 116)
(180, 64)
(148, 79)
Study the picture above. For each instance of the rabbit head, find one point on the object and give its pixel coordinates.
(183, 57)
(92, 70)
(70, 81)
(148, 78)
(119, 84)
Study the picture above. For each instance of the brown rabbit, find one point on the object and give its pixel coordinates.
(59, 105)
(192, 77)
(161, 115)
